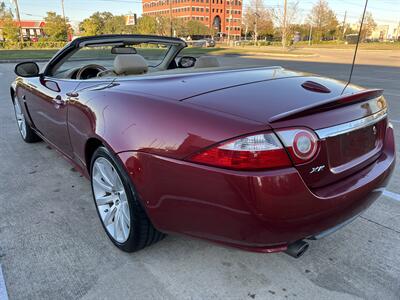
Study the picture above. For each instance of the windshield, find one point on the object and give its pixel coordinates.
(153, 53)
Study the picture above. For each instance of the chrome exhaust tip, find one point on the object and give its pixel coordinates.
(297, 249)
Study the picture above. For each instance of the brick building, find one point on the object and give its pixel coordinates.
(223, 16)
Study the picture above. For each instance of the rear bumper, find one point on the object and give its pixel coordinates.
(256, 211)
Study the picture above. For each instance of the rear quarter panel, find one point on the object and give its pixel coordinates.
(126, 121)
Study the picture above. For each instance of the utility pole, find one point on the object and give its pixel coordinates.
(344, 24)
(310, 36)
(284, 30)
(21, 37)
(170, 18)
(63, 10)
(65, 19)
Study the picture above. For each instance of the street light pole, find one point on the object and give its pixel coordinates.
(230, 21)
(170, 18)
(284, 29)
(21, 37)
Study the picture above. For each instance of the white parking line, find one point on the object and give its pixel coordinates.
(395, 121)
(3, 290)
(391, 195)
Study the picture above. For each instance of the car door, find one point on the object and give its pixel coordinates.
(47, 102)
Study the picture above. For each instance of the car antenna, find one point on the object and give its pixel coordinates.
(358, 42)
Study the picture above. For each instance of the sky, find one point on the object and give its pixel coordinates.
(384, 11)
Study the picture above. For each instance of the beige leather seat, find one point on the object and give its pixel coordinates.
(130, 64)
(207, 62)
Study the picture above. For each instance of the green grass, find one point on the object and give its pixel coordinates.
(26, 54)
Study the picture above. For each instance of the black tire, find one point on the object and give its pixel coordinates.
(25, 130)
(142, 232)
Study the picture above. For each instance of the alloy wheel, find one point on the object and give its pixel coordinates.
(20, 118)
(111, 199)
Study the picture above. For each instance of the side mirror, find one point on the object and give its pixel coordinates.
(27, 69)
(186, 62)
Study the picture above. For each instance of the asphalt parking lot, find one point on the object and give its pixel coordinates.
(52, 245)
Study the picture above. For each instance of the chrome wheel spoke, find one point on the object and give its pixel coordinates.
(20, 118)
(105, 186)
(116, 223)
(109, 217)
(111, 199)
(124, 225)
(106, 199)
(105, 175)
(125, 212)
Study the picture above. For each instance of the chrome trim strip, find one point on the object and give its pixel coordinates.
(351, 126)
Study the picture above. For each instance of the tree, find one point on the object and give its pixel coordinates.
(55, 27)
(285, 20)
(196, 28)
(180, 27)
(115, 25)
(146, 25)
(104, 23)
(369, 26)
(323, 20)
(10, 29)
(96, 23)
(258, 19)
(3, 11)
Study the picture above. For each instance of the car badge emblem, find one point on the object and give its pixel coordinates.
(374, 130)
(317, 169)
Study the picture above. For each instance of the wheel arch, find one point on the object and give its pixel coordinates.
(90, 147)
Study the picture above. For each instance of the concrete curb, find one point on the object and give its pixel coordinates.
(280, 54)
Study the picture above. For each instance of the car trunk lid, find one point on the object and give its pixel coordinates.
(350, 127)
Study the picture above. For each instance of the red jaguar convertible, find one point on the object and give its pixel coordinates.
(261, 159)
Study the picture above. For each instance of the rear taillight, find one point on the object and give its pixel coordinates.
(253, 152)
(301, 143)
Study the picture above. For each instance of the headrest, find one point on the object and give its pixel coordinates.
(130, 64)
(207, 62)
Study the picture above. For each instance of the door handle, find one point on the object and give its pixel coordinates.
(58, 100)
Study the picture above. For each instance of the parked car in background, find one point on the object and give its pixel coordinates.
(210, 42)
